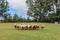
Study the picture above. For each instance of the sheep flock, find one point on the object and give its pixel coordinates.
(27, 27)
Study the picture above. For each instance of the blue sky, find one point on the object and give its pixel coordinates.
(19, 7)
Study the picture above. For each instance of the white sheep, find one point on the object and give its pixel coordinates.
(42, 26)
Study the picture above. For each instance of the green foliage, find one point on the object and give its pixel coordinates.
(15, 18)
(55, 16)
(3, 6)
(28, 19)
(7, 17)
(38, 8)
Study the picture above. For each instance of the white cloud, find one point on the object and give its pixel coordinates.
(18, 4)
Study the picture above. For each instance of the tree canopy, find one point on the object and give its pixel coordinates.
(39, 9)
(3, 6)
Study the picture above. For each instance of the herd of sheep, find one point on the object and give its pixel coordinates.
(27, 27)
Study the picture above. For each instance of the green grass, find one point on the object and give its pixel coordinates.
(50, 32)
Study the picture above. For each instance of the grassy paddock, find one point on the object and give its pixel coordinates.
(50, 32)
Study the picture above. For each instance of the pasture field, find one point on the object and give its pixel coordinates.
(50, 32)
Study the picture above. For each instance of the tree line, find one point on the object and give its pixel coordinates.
(15, 18)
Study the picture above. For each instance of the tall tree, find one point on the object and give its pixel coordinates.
(57, 10)
(38, 8)
(3, 6)
(16, 18)
(6, 15)
(9, 18)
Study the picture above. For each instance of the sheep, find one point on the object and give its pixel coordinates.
(30, 27)
(42, 26)
(20, 27)
(16, 26)
(23, 27)
(37, 27)
(26, 27)
(34, 27)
